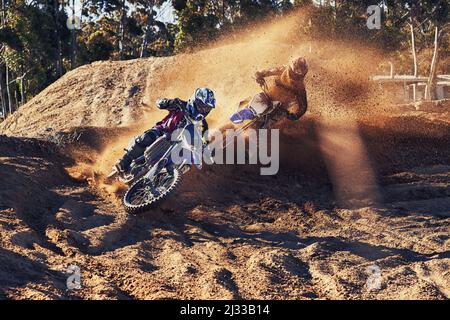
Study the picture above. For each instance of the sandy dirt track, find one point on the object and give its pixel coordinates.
(360, 185)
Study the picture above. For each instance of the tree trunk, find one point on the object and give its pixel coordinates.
(413, 47)
(3, 14)
(223, 12)
(16, 100)
(431, 85)
(2, 94)
(59, 64)
(24, 90)
(2, 89)
(123, 16)
(73, 58)
(148, 29)
(8, 91)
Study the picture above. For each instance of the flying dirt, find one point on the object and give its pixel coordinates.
(361, 185)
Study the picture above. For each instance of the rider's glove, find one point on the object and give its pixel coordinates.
(259, 77)
(162, 103)
(292, 116)
(169, 104)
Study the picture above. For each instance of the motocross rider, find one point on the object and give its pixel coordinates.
(286, 93)
(197, 107)
(289, 87)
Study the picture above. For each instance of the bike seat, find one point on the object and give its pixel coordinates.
(260, 103)
(244, 103)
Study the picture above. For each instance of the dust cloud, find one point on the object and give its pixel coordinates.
(338, 87)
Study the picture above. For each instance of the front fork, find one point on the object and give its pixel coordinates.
(157, 167)
(165, 162)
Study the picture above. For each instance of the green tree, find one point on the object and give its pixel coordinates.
(32, 53)
(200, 21)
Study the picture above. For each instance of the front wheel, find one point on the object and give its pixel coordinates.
(141, 196)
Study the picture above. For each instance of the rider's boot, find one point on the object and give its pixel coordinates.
(135, 149)
(123, 165)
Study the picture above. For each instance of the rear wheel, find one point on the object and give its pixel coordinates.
(141, 196)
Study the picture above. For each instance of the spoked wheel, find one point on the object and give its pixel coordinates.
(141, 196)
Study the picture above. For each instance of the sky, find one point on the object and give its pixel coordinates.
(164, 14)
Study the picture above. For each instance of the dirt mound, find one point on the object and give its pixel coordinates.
(100, 94)
(358, 189)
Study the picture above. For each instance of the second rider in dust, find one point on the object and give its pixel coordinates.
(285, 93)
(197, 108)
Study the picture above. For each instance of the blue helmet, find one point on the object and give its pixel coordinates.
(201, 103)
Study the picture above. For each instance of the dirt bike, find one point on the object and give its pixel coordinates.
(155, 175)
(261, 116)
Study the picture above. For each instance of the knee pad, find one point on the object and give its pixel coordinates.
(147, 138)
